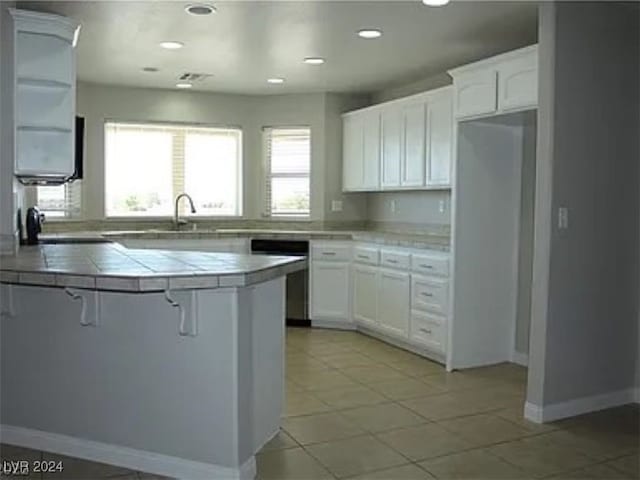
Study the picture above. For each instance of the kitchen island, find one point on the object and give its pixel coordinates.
(166, 362)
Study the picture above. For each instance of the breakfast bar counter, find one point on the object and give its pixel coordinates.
(166, 362)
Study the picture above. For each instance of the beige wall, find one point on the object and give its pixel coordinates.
(251, 113)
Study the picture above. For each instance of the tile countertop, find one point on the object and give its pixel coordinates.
(109, 266)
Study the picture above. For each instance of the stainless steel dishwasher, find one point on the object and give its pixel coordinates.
(297, 314)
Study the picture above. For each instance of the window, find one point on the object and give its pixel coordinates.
(148, 165)
(288, 164)
(60, 201)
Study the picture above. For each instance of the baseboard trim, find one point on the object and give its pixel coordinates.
(333, 324)
(519, 358)
(578, 406)
(125, 457)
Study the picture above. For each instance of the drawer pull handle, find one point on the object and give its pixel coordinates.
(428, 267)
(426, 294)
(363, 257)
(428, 331)
(392, 261)
(329, 254)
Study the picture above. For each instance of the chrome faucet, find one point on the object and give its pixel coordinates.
(176, 219)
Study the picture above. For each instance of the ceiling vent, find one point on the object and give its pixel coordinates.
(194, 77)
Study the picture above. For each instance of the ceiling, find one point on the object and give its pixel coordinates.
(246, 42)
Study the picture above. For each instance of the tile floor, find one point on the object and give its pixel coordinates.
(360, 409)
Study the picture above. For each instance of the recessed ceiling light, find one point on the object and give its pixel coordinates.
(171, 45)
(184, 85)
(314, 60)
(275, 80)
(200, 9)
(370, 33)
(435, 3)
(150, 69)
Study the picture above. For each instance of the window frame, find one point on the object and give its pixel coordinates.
(267, 176)
(193, 218)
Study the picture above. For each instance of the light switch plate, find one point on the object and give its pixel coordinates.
(336, 205)
(563, 218)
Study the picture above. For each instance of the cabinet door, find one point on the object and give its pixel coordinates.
(413, 164)
(329, 291)
(391, 147)
(371, 147)
(439, 140)
(475, 93)
(394, 300)
(518, 82)
(352, 153)
(365, 294)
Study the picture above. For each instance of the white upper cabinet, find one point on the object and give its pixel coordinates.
(392, 126)
(44, 81)
(476, 93)
(505, 83)
(518, 82)
(413, 154)
(352, 153)
(404, 144)
(439, 135)
(371, 147)
(361, 152)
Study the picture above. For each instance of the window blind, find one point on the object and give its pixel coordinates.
(60, 201)
(148, 165)
(287, 171)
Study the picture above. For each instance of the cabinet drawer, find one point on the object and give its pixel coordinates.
(399, 260)
(429, 294)
(430, 265)
(366, 255)
(332, 253)
(429, 330)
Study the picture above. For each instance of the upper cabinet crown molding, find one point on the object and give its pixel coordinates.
(500, 84)
(45, 23)
(44, 88)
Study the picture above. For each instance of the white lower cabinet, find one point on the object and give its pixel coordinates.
(428, 293)
(397, 293)
(429, 330)
(394, 302)
(365, 295)
(329, 291)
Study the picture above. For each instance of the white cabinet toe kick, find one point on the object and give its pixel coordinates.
(184, 383)
(399, 295)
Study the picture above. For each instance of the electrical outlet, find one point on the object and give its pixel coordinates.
(336, 205)
(393, 206)
(563, 218)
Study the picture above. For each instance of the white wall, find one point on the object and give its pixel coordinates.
(418, 208)
(486, 244)
(7, 187)
(585, 311)
(319, 111)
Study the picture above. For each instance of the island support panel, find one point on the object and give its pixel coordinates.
(119, 384)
